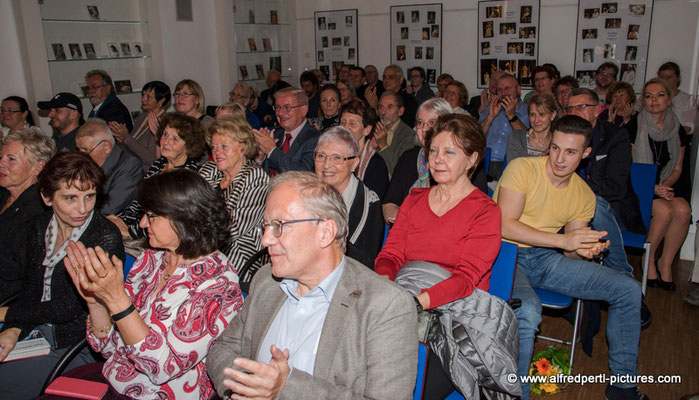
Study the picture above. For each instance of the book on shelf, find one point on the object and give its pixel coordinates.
(34, 345)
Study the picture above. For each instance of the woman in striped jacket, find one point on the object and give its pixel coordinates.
(241, 181)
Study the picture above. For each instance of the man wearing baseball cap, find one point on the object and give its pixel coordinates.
(66, 116)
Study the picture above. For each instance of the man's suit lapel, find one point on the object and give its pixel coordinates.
(264, 315)
(279, 137)
(300, 138)
(342, 304)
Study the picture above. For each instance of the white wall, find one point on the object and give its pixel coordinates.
(672, 35)
(13, 81)
(192, 49)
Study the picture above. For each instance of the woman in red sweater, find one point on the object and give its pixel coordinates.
(452, 224)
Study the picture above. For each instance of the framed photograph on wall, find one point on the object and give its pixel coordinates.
(416, 39)
(336, 41)
(613, 31)
(508, 39)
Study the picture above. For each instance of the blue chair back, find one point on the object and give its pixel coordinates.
(643, 182)
(128, 264)
(503, 274)
(422, 352)
(486, 159)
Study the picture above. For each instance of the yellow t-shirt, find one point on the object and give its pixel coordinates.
(546, 207)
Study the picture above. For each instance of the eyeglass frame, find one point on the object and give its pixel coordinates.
(6, 111)
(94, 147)
(578, 107)
(334, 158)
(184, 95)
(286, 107)
(427, 124)
(149, 216)
(262, 228)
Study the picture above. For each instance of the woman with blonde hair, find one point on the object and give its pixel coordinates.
(189, 99)
(241, 182)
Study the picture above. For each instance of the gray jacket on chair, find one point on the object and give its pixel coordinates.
(479, 340)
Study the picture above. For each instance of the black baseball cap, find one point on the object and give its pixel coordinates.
(63, 99)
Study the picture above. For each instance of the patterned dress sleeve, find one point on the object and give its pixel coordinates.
(175, 345)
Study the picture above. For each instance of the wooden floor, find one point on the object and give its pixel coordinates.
(669, 346)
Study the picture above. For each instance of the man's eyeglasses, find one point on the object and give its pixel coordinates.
(286, 107)
(609, 74)
(278, 226)
(95, 87)
(578, 107)
(93, 149)
(334, 158)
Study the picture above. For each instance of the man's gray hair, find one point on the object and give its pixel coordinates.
(319, 198)
(102, 73)
(39, 146)
(436, 105)
(97, 129)
(300, 95)
(398, 69)
(340, 134)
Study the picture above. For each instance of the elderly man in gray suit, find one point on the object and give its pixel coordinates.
(317, 324)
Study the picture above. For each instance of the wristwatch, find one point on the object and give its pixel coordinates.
(513, 119)
(417, 304)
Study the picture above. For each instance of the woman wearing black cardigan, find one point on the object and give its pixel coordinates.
(68, 184)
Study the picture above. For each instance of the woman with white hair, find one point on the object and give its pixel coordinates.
(336, 157)
(22, 157)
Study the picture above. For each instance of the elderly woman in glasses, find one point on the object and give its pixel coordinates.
(189, 99)
(336, 157)
(156, 328)
(244, 94)
(181, 141)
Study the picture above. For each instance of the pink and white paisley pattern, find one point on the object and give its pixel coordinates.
(185, 317)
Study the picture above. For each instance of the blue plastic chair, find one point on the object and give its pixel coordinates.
(643, 182)
(128, 264)
(486, 159)
(503, 273)
(557, 301)
(502, 279)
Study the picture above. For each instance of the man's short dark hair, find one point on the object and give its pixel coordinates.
(609, 65)
(308, 76)
(420, 70)
(197, 213)
(358, 68)
(566, 80)
(574, 125)
(587, 92)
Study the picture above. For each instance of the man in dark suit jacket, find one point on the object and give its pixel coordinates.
(291, 147)
(121, 167)
(331, 329)
(394, 81)
(106, 105)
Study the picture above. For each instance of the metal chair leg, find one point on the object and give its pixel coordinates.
(576, 328)
(646, 263)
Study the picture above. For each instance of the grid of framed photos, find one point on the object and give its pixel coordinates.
(416, 38)
(508, 39)
(336, 41)
(613, 31)
(262, 40)
(112, 36)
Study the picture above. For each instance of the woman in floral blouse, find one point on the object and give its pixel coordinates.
(156, 328)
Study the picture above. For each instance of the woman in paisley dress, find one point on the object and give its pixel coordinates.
(156, 328)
